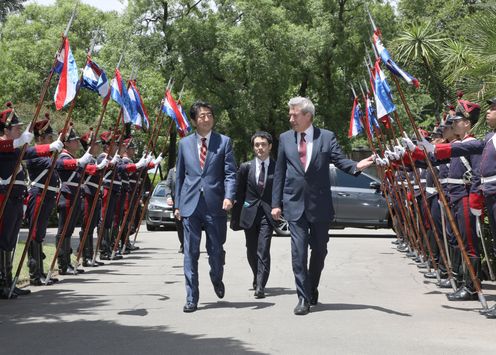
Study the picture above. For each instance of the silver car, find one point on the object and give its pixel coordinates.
(158, 213)
(357, 202)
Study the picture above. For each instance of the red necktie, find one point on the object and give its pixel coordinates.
(203, 152)
(302, 150)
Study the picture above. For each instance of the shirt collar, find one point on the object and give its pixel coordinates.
(308, 133)
(200, 137)
(266, 161)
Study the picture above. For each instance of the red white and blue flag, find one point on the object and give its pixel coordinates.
(356, 126)
(370, 116)
(119, 94)
(95, 79)
(141, 119)
(175, 111)
(68, 80)
(390, 64)
(382, 92)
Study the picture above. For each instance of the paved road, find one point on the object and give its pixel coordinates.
(373, 301)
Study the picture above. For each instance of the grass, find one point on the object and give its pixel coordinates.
(48, 249)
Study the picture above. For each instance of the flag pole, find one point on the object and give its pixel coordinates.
(39, 105)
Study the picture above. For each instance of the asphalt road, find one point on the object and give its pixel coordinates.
(373, 301)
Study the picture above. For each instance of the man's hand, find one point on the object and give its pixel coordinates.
(364, 164)
(169, 201)
(227, 204)
(276, 213)
(177, 214)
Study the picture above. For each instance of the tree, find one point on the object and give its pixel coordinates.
(9, 6)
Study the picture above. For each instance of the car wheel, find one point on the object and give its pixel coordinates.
(150, 228)
(282, 227)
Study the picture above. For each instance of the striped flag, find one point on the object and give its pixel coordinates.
(68, 80)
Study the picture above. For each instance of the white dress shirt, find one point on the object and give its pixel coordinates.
(258, 167)
(309, 140)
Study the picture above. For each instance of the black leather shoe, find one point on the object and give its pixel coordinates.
(445, 283)
(488, 310)
(62, 271)
(181, 250)
(423, 265)
(259, 293)
(190, 307)
(462, 294)
(21, 292)
(410, 254)
(70, 270)
(395, 242)
(491, 314)
(88, 263)
(104, 256)
(36, 282)
(302, 308)
(430, 275)
(220, 290)
(402, 247)
(315, 297)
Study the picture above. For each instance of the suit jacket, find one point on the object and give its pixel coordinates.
(217, 180)
(170, 184)
(249, 198)
(298, 192)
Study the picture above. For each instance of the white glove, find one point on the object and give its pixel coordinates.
(25, 138)
(103, 164)
(399, 150)
(149, 158)
(475, 212)
(141, 163)
(85, 159)
(407, 142)
(115, 159)
(429, 147)
(57, 146)
(158, 160)
(391, 155)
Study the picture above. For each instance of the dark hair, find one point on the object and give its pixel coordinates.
(197, 106)
(261, 134)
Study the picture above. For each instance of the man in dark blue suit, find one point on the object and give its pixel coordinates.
(302, 187)
(205, 191)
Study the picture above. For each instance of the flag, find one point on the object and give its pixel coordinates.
(356, 126)
(68, 80)
(185, 117)
(382, 92)
(141, 118)
(390, 64)
(171, 109)
(95, 79)
(120, 95)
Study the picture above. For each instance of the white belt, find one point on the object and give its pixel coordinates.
(415, 187)
(92, 184)
(50, 188)
(443, 181)
(430, 190)
(115, 182)
(69, 183)
(455, 181)
(486, 180)
(16, 182)
(132, 181)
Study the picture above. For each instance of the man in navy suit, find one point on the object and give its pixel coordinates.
(205, 191)
(302, 187)
(252, 210)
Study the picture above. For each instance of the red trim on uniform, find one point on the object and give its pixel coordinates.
(406, 160)
(131, 168)
(476, 201)
(105, 201)
(42, 150)
(151, 165)
(86, 209)
(468, 226)
(70, 164)
(443, 151)
(7, 145)
(37, 206)
(418, 154)
(90, 169)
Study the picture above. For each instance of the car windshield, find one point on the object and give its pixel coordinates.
(345, 180)
(159, 191)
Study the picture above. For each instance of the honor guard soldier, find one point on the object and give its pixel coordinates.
(38, 173)
(90, 192)
(11, 140)
(70, 170)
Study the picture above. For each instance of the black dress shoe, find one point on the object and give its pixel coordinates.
(491, 314)
(21, 292)
(462, 294)
(190, 307)
(487, 310)
(410, 254)
(220, 289)
(395, 242)
(181, 250)
(315, 297)
(104, 256)
(259, 293)
(423, 265)
(446, 283)
(430, 275)
(302, 308)
(71, 269)
(88, 263)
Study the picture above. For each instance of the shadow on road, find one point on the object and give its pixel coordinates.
(279, 291)
(36, 324)
(353, 307)
(226, 304)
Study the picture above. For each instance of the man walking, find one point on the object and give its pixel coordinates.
(302, 187)
(252, 211)
(205, 188)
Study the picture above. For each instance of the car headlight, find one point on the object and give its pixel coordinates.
(153, 207)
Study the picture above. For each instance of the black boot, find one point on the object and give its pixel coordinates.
(33, 264)
(4, 285)
(467, 292)
(8, 276)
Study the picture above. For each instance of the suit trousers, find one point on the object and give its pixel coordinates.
(216, 230)
(45, 208)
(65, 203)
(304, 234)
(466, 224)
(258, 239)
(10, 222)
